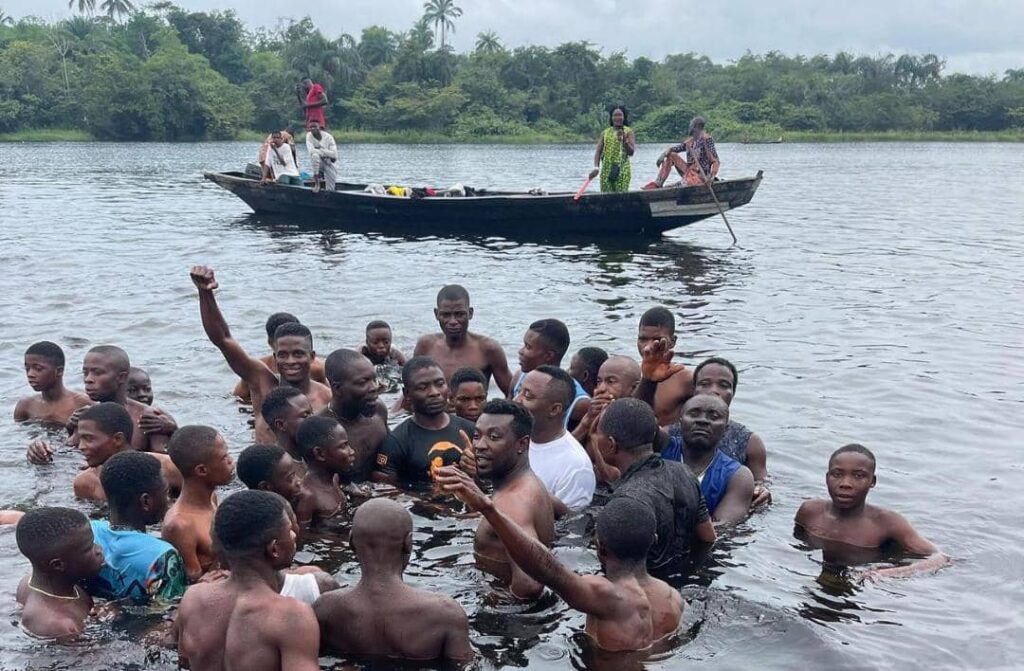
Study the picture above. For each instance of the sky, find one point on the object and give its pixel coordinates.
(974, 36)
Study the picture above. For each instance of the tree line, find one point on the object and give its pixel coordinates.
(165, 73)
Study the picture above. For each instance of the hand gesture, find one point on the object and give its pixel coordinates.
(157, 422)
(39, 452)
(203, 278)
(456, 482)
(657, 365)
(762, 497)
(468, 461)
(661, 159)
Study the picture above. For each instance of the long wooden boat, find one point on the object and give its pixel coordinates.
(350, 208)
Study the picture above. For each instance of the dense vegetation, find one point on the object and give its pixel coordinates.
(165, 73)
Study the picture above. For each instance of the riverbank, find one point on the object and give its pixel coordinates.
(420, 137)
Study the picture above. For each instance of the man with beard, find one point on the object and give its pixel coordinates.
(293, 351)
(456, 347)
(355, 405)
(727, 485)
(501, 445)
(428, 440)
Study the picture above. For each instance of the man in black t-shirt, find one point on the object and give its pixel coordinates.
(625, 436)
(428, 440)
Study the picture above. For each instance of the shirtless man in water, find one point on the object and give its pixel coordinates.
(849, 530)
(316, 368)
(293, 351)
(501, 446)
(627, 609)
(382, 616)
(55, 403)
(243, 623)
(354, 403)
(664, 387)
(456, 346)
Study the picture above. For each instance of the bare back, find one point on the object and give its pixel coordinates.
(629, 624)
(202, 624)
(270, 632)
(395, 621)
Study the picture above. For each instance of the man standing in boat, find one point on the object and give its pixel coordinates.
(323, 153)
(313, 100)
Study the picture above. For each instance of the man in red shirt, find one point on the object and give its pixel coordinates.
(313, 100)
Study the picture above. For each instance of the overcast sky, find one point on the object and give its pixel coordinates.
(976, 36)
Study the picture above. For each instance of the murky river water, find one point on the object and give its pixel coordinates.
(875, 296)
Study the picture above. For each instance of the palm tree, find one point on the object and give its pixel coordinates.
(488, 43)
(441, 13)
(420, 35)
(84, 6)
(6, 19)
(115, 9)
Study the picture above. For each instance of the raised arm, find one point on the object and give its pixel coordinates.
(499, 365)
(735, 505)
(593, 596)
(655, 367)
(253, 371)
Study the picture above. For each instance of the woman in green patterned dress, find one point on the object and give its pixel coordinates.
(616, 144)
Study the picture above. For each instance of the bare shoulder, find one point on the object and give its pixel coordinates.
(197, 598)
(810, 510)
(488, 344)
(24, 407)
(335, 606)
(890, 520)
(427, 342)
(442, 607)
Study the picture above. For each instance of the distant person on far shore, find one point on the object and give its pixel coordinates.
(848, 530)
(55, 403)
(313, 99)
(616, 144)
(323, 153)
(280, 165)
(701, 164)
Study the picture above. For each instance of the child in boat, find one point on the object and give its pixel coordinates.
(848, 529)
(54, 403)
(60, 545)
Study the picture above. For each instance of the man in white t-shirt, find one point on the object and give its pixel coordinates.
(555, 456)
(323, 154)
(280, 165)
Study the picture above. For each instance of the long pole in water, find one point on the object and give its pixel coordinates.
(711, 188)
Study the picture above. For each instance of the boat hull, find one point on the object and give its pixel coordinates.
(635, 212)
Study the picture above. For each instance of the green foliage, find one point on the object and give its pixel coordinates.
(166, 73)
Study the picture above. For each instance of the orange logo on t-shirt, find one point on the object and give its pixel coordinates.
(444, 447)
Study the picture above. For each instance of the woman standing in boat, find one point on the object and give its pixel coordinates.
(616, 144)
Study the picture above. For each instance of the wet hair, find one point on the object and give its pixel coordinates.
(626, 529)
(467, 374)
(562, 387)
(338, 362)
(120, 357)
(191, 446)
(128, 475)
(313, 432)
(453, 292)
(256, 464)
(855, 448)
(278, 318)
(378, 324)
(294, 329)
(660, 317)
(625, 113)
(631, 422)
(555, 335)
(277, 403)
(719, 361)
(592, 358)
(246, 521)
(522, 421)
(50, 351)
(42, 532)
(413, 365)
(111, 418)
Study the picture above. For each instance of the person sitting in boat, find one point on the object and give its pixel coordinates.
(616, 144)
(323, 153)
(701, 164)
(287, 136)
(280, 164)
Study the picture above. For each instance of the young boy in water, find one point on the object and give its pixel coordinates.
(284, 409)
(626, 611)
(244, 622)
(382, 616)
(105, 429)
(201, 455)
(54, 403)
(324, 445)
(386, 360)
(59, 544)
(140, 386)
(269, 468)
(849, 530)
(468, 393)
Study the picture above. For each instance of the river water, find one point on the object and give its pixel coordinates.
(874, 296)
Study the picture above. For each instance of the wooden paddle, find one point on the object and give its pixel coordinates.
(711, 188)
(579, 194)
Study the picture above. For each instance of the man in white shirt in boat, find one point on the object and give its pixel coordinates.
(280, 165)
(323, 152)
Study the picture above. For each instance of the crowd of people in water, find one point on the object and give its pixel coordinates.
(644, 445)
